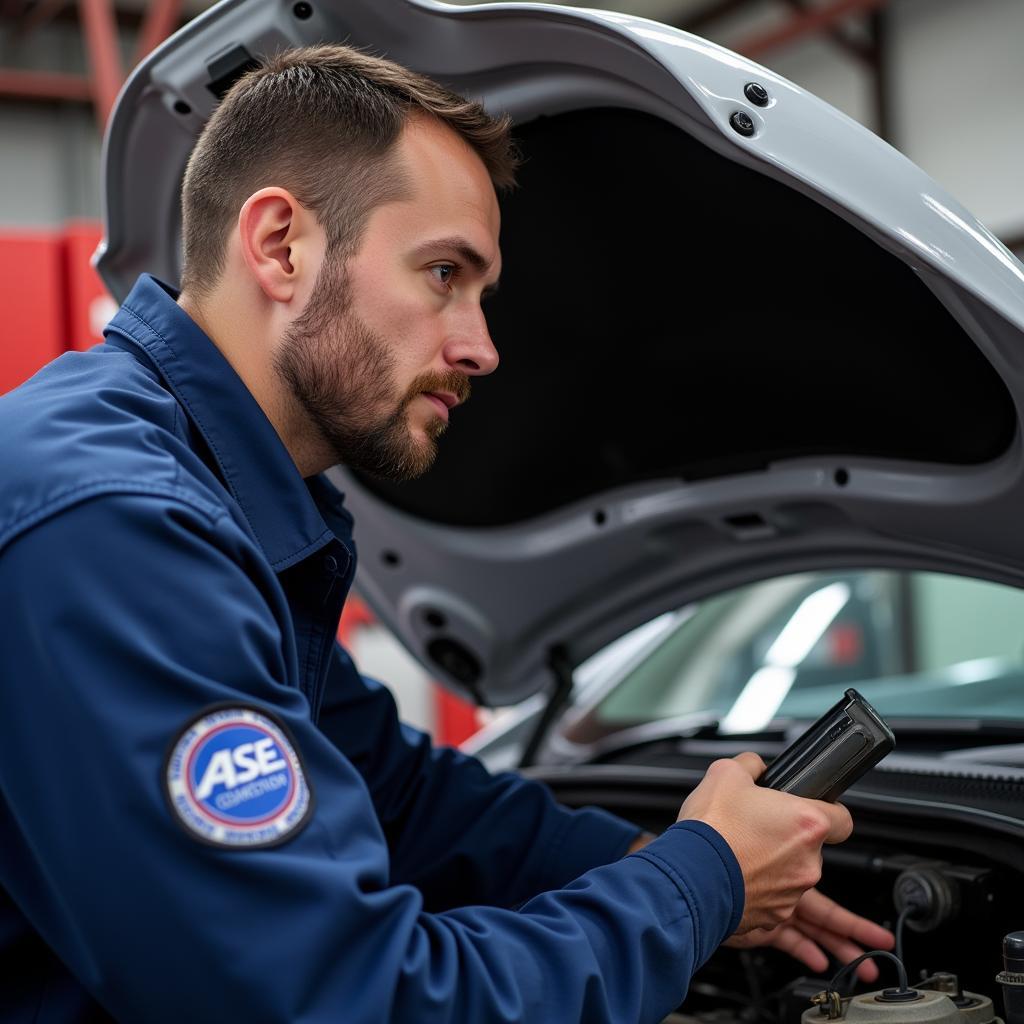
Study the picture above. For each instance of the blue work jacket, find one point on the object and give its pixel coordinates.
(206, 813)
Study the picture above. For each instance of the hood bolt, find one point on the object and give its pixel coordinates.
(757, 94)
(742, 123)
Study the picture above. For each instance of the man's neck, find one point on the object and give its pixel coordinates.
(244, 344)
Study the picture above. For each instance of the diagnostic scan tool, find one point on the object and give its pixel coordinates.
(837, 750)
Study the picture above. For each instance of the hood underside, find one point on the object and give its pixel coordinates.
(722, 357)
(667, 313)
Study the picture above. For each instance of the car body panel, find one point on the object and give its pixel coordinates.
(486, 605)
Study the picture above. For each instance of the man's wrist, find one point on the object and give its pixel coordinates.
(640, 842)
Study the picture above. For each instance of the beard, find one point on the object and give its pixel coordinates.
(342, 375)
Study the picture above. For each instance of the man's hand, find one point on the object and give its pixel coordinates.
(815, 923)
(776, 837)
(640, 842)
(819, 924)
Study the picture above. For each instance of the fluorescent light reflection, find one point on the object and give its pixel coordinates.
(767, 688)
(976, 671)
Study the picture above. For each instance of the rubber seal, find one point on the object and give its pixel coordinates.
(894, 995)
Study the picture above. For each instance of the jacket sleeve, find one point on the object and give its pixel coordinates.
(456, 832)
(123, 619)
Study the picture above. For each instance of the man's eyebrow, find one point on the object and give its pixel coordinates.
(466, 251)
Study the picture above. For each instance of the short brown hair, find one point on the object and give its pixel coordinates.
(320, 121)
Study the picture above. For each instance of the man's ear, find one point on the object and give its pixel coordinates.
(275, 233)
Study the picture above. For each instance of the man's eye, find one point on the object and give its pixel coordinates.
(444, 272)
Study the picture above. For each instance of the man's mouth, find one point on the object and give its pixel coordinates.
(442, 401)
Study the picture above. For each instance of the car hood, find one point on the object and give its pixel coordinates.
(724, 355)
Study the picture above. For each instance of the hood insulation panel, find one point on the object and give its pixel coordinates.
(666, 312)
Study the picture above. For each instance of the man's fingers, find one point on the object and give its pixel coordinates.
(841, 948)
(817, 909)
(840, 823)
(752, 763)
(800, 947)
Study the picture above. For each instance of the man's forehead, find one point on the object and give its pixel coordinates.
(424, 231)
(442, 169)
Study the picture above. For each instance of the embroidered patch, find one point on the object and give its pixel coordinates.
(234, 778)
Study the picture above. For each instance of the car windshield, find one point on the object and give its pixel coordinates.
(916, 644)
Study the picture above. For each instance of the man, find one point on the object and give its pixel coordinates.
(208, 814)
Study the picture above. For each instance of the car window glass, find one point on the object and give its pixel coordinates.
(922, 644)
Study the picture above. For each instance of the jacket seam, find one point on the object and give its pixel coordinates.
(732, 870)
(175, 428)
(684, 890)
(297, 556)
(82, 492)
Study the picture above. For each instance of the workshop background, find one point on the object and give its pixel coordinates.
(941, 80)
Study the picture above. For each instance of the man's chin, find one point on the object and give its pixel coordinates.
(415, 467)
(420, 450)
(398, 466)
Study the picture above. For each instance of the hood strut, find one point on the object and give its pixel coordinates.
(561, 669)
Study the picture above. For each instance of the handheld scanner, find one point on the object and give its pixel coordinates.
(833, 753)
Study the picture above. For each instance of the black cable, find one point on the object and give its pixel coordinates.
(900, 921)
(853, 964)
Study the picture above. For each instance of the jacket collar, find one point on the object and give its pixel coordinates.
(288, 515)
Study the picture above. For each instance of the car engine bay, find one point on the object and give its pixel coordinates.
(937, 856)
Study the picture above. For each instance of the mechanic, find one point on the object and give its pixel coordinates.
(207, 813)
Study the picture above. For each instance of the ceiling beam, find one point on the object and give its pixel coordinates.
(104, 52)
(44, 85)
(162, 18)
(881, 81)
(817, 19)
(66, 13)
(40, 14)
(851, 46)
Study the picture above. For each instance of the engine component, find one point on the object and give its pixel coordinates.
(902, 1004)
(927, 895)
(975, 1009)
(926, 1007)
(1011, 978)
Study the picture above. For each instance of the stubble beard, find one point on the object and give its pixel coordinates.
(342, 375)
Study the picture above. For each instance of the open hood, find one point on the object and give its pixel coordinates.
(730, 347)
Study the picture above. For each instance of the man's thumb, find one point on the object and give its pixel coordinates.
(750, 762)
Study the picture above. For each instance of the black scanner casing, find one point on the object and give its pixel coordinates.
(847, 741)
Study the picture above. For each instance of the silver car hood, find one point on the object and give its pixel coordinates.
(725, 356)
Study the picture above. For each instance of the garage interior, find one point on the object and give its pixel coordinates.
(938, 79)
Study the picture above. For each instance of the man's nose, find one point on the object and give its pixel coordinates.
(470, 348)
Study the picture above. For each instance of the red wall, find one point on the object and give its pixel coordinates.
(48, 292)
(89, 304)
(31, 305)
